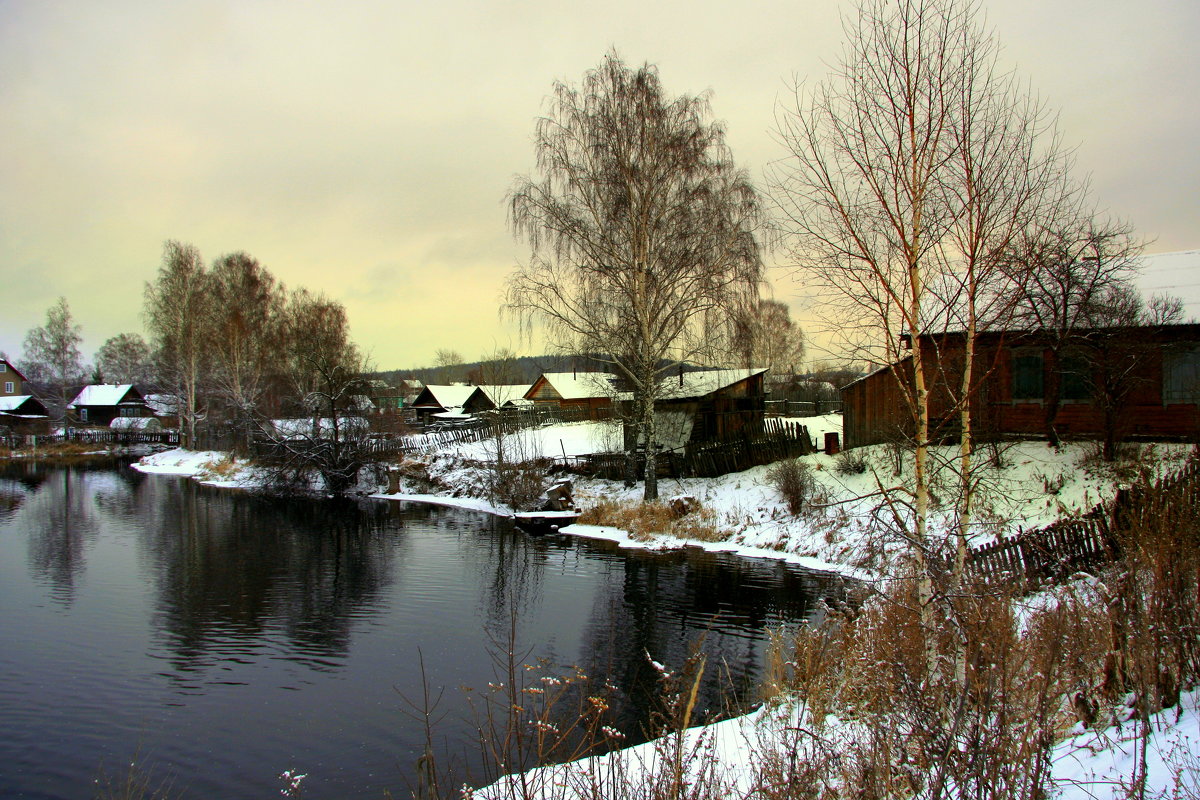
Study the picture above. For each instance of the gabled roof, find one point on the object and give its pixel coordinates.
(699, 384)
(23, 405)
(444, 397)
(105, 394)
(13, 368)
(579, 385)
(499, 394)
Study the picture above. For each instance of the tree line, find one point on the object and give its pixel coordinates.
(229, 344)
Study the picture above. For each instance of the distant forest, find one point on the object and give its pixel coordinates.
(524, 369)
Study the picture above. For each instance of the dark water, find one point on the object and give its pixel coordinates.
(218, 638)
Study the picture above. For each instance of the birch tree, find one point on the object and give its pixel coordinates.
(911, 172)
(641, 230)
(52, 355)
(176, 314)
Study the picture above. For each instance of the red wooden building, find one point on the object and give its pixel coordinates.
(1136, 382)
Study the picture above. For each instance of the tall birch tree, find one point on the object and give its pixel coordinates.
(641, 230)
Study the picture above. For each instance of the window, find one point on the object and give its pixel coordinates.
(3, 366)
(83, 414)
(129, 411)
(1076, 378)
(1027, 376)
(9, 387)
(1181, 374)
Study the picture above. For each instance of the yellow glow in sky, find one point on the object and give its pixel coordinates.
(364, 149)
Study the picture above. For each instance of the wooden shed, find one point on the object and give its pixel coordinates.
(1137, 382)
(585, 394)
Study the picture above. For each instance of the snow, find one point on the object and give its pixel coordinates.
(1089, 765)
(13, 401)
(1034, 486)
(101, 394)
(581, 385)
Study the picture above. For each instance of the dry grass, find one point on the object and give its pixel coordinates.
(645, 521)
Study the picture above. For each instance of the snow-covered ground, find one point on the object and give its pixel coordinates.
(843, 528)
(1033, 486)
(1088, 765)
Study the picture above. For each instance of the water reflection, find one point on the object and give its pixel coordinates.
(240, 576)
(288, 631)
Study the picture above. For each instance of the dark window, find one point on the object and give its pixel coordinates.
(83, 414)
(1181, 374)
(1027, 376)
(129, 411)
(9, 387)
(1076, 378)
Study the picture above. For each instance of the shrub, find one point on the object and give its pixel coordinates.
(850, 462)
(794, 482)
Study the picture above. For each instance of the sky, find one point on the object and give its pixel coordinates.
(364, 149)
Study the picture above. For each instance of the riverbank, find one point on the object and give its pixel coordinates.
(846, 522)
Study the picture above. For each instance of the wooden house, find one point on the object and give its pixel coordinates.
(438, 399)
(100, 404)
(491, 397)
(1132, 382)
(588, 395)
(12, 382)
(23, 414)
(707, 405)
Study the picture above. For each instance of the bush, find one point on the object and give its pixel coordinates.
(850, 462)
(794, 482)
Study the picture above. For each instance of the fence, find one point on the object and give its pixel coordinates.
(776, 441)
(91, 436)
(1059, 550)
(802, 408)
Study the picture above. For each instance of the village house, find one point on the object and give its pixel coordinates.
(704, 406)
(492, 397)
(579, 395)
(441, 402)
(100, 404)
(19, 412)
(1129, 382)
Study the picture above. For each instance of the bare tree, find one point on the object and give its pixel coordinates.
(449, 364)
(246, 334)
(125, 358)
(766, 336)
(641, 230)
(328, 376)
(911, 171)
(51, 353)
(176, 314)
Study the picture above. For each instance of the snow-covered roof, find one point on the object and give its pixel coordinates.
(101, 394)
(11, 403)
(581, 385)
(503, 392)
(1176, 274)
(449, 397)
(698, 384)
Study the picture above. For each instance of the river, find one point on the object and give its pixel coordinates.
(218, 638)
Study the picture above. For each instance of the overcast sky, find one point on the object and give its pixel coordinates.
(364, 149)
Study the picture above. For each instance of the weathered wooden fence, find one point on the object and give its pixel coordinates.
(1057, 551)
(91, 436)
(802, 408)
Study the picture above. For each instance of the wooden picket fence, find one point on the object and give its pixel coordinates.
(1057, 551)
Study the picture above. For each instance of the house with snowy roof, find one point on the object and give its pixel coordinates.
(586, 394)
(488, 397)
(441, 399)
(100, 404)
(706, 405)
